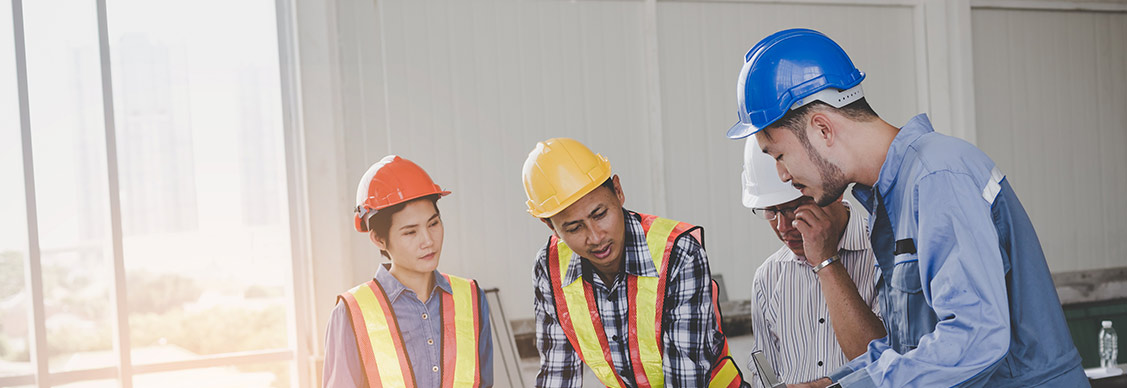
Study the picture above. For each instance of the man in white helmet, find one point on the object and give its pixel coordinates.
(802, 335)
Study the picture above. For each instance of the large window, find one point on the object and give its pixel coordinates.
(164, 258)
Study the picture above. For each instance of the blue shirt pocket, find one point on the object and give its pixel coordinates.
(911, 317)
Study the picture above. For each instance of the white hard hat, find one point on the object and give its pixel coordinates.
(761, 184)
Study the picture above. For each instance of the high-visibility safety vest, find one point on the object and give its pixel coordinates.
(383, 353)
(579, 316)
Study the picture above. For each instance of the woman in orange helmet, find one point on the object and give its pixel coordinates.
(410, 326)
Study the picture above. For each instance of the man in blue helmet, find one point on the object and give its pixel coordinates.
(965, 291)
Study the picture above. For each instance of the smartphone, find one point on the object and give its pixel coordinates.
(766, 373)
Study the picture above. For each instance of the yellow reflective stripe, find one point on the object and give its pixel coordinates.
(464, 326)
(584, 325)
(657, 238)
(725, 375)
(379, 332)
(648, 349)
(564, 255)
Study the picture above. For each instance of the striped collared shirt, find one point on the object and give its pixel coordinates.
(689, 333)
(790, 320)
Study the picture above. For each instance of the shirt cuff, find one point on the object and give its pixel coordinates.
(858, 379)
(845, 370)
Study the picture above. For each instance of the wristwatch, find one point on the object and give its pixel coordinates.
(824, 264)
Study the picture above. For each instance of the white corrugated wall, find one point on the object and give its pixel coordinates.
(466, 89)
(1051, 88)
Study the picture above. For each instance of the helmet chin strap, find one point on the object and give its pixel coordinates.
(834, 97)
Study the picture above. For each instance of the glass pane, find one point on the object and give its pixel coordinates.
(14, 299)
(70, 179)
(268, 375)
(200, 151)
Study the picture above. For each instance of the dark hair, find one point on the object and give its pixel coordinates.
(794, 120)
(608, 184)
(380, 223)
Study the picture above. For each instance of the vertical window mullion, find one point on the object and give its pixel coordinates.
(301, 324)
(34, 273)
(120, 301)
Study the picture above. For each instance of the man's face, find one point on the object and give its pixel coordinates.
(414, 240)
(801, 165)
(594, 227)
(783, 224)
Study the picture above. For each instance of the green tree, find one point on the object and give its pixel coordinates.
(149, 293)
(11, 273)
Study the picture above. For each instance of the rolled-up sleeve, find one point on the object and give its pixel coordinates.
(963, 281)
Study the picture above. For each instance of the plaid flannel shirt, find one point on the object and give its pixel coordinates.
(689, 335)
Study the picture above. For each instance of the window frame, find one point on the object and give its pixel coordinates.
(299, 313)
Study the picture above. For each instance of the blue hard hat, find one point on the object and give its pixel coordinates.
(789, 69)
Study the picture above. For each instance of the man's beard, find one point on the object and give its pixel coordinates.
(833, 180)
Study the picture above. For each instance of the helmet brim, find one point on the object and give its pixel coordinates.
(741, 130)
(752, 201)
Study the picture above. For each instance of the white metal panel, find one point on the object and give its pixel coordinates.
(1051, 92)
(701, 48)
(321, 127)
(471, 88)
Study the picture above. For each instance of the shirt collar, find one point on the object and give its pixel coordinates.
(856, 236)
(393, 288)
(916, 127)
(637, 258)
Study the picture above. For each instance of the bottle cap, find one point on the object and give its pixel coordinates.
(1107, 324)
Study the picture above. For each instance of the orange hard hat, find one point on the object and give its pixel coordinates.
(391, 181)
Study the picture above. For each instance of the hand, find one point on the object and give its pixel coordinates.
(819, 238)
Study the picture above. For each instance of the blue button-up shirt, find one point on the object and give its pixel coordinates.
(419, 323)
(968, 295)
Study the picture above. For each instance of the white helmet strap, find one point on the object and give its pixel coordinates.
(836, 98)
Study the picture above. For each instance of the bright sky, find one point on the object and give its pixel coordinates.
(212, 43)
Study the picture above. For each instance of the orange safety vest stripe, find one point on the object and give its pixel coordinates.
(461, 314)
(725, 374)
(632, 318)
(454, 325)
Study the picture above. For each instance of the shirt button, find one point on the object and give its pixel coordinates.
(819, 363)
(614, 338)
(434, 368)
(821, 320)
(424, 315)
(430, 341)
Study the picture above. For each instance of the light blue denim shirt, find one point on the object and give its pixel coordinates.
(967, 295)
(421, 326)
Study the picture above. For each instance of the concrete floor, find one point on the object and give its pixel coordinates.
(740, 348)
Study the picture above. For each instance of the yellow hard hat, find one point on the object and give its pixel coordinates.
(560, 171)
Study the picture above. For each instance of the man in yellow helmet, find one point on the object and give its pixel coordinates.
(628, 294)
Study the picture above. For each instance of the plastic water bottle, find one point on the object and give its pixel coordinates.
(1109, 347)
